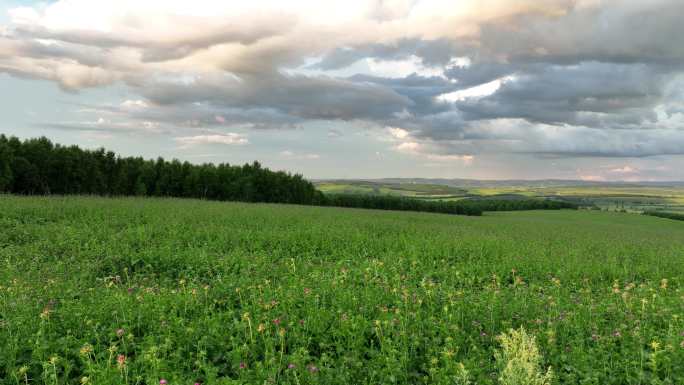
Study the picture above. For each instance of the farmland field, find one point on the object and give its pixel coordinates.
(135, 290)
(632, 197)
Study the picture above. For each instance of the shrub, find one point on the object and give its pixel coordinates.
(520, 361)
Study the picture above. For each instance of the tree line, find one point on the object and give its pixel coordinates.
(39, 167)
(459, 207)
(391, 202)
(666, 215)
(521, 204)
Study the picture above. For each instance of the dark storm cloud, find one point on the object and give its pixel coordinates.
(556, 94)
(420, 90)
(299, 96)
(481, 73)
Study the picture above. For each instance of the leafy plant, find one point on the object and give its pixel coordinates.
(519, 360)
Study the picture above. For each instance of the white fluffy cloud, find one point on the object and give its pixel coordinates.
(175, 36)
(287, 154)
(229, 138)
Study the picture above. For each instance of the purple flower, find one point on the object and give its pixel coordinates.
(277, 321)
(243, 365)
(162, 382)
(312, 368)
(291, 366)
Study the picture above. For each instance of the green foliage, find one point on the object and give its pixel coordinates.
(664, 214)
(232, 293)
(6, 175)
(519, 360)
(519, 204)
(461, 207)
(36, 166)
(388, 202)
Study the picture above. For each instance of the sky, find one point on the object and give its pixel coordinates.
(483, 89)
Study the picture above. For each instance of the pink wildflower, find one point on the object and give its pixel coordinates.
(121, 361)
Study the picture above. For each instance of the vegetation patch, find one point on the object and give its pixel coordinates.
(180, 291)
(663, 214)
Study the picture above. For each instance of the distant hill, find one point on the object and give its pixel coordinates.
(616, 196)
(476, 183)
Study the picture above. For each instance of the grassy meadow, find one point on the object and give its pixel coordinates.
(148, 291)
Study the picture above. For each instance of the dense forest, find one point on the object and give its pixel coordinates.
(389, 202)
(39, 167)
(460, 207)
(520, 204)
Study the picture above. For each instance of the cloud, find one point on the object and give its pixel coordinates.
(398, 133)
(624, 170)
(599, 94)
(296, 96)
(477, 92)
(109, 126)
(134, 104)
(226, 139)
(425, 151)
(292, 155)
(556, 78)
(591, 178)
(405, 143)
(403, 68)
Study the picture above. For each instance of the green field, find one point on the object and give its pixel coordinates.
(131, 291)
(400, 189)
(606, 196)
